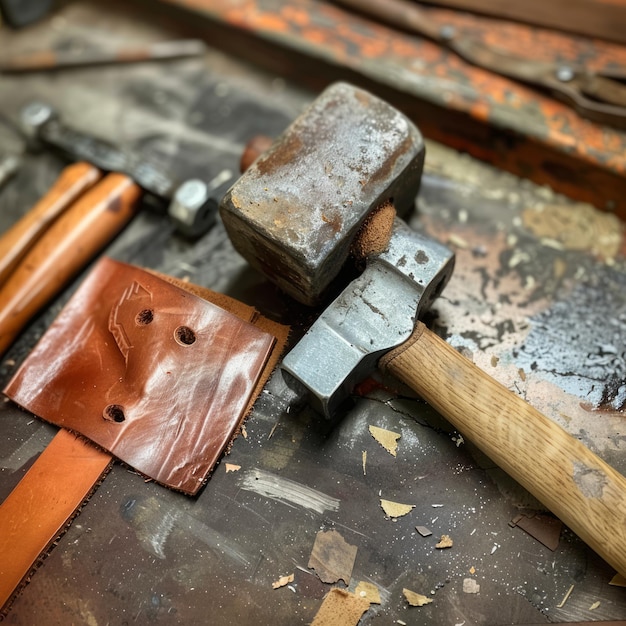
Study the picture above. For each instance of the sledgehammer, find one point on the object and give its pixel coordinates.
(297, 214)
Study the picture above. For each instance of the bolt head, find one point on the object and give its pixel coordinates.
(191, 208)
(36, 114)
(565, 73)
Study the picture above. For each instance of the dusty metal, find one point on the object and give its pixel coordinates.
(344, 344)
(296, 210)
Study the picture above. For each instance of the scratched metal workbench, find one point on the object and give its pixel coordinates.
(538, 300)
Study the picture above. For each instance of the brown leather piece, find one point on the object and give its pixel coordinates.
(37, 511)
(156, 375)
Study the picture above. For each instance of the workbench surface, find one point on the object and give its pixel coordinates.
(538, 300)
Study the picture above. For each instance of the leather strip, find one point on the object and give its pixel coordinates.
(41, 506)
(73, 467)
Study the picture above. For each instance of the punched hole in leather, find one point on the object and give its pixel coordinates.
(151, 373)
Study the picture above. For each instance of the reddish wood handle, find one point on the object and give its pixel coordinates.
(72, 240)
(74, 180)
(576, 485)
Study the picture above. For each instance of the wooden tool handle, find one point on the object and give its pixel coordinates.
(586, 493)
(72, 240)
(74, 180)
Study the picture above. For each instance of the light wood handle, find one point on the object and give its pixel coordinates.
(581, 489)
(73, 181)
(66, 247)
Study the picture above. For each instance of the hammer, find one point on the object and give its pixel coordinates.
(322, 192)
(82, 212)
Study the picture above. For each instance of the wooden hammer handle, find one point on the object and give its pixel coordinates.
(73, 181)
(66, 247)
(586, 493)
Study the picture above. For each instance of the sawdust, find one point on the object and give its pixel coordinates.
(395, 509)
(340, 608)
(576, 227)
(386, 438)
(416, 599)
(375, 232)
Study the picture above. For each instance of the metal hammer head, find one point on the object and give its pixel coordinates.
(294, 213)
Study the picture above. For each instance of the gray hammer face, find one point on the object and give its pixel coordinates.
(294, 213)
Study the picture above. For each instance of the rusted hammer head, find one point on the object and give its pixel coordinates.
(294, 213)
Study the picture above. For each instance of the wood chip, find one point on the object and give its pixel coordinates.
(415, 599)
(618, 581)
(340, 608)
(231, 467)
(386, 438)
(282, 581)
(564, 600)
(332, 557)
(594, 606)
(364, 461)
(422, 530)
(446, 542)
(470, 586)
(369, 591)
(395, 509)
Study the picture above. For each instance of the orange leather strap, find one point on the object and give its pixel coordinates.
(38, 510)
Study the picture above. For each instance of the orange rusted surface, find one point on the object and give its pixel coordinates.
(544, 139)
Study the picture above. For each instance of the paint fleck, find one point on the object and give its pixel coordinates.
(422, 530)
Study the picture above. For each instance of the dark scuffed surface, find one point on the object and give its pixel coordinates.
(580, 342)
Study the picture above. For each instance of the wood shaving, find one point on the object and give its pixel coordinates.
(565, 598)
(594, 606)
(386, 438)
(446, 542)
(369, 591)
(395, 509)
(231, 467)
(283, 581)
(364, 456)
(415, 599)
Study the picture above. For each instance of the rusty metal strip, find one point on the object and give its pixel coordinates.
(493, 118)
